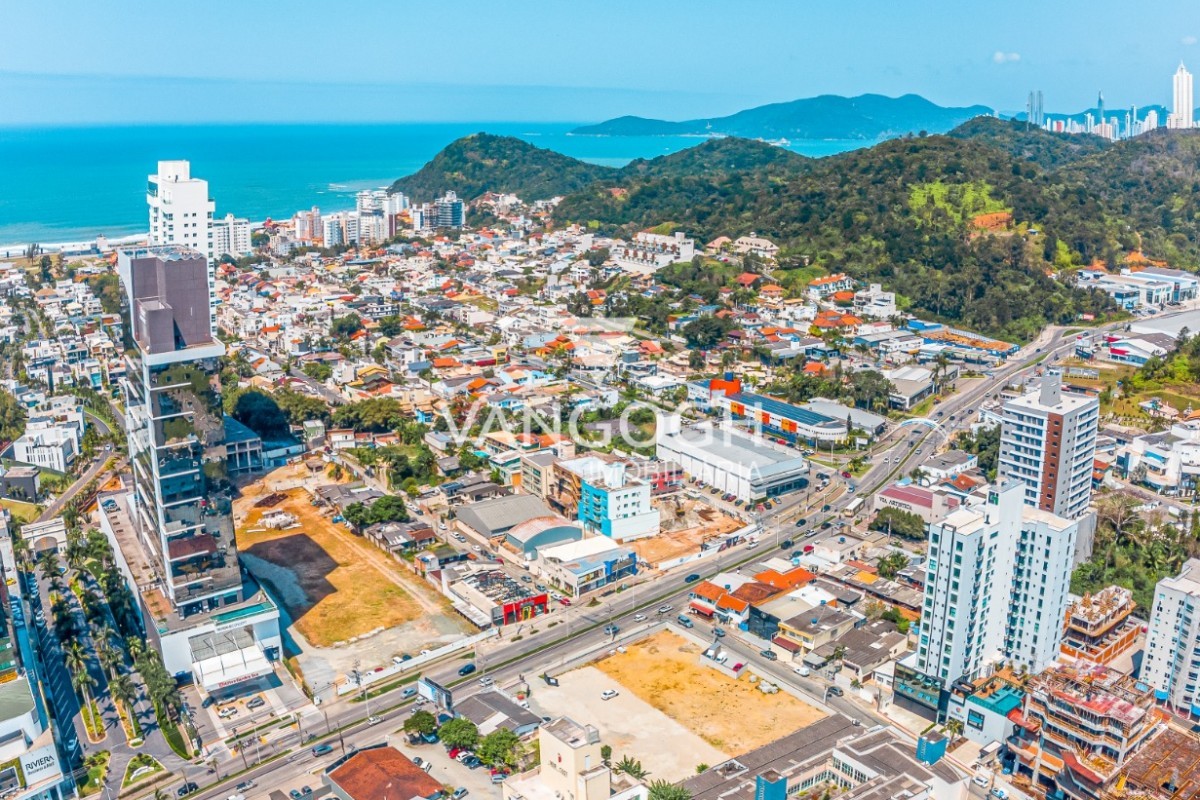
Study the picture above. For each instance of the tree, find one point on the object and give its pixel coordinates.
(81, 679)
(665, 790)
(421, 722)
(123, 690)
(459, 732)
(891, 564)
(318, 370)
(501, 747)
(12, 417)
(258, 411)
(631, 767)
(706, 332)
(696, 359)
(899, 523)
(346, 326)
(606, 753)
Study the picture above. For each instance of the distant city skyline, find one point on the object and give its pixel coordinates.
(583, 61)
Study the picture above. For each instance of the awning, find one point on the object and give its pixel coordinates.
(701, 608)
(228, 669)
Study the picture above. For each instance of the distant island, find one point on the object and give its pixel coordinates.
(867, 117)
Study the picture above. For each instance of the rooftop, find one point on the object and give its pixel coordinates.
(380, 771)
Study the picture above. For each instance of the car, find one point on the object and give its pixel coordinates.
(397, 660)
(486, 681)
(499, 777)
(826, 507)
(564, 601)
(608, 694)
(826, 524)
(245, 786)
(685, 621)
(769, 655)
(812, 533)
(664, 609)
(322, 749)
(911, 445)
(472, 762)
(752, 545)
(374, 720)
(800, 523)
(979, 780)
(256, 702)
(186, 789)
(785, 544)
(540, 587)
(836, 691)
(418, 761)
(462, 756)
(460, 793)
(713, 490)
(227, 712)
(295, 794)
(940, 413)
(845, 473)
(466, 669)
(691, 578)
(850, 489)
(208, 701)
(738, 502)
(999, 793)
(611, 630)
(639, 617)
(526, 579)
(887, 459)
(719, 633)
(802, 671)
(767, 506)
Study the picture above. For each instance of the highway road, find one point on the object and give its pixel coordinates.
(584, 629)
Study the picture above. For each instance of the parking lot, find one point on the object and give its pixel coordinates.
(628, 724)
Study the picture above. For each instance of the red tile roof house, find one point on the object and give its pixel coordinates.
(379, 772)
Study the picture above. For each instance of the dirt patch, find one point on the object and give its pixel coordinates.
(333, 585)
(686, 525)
(664, 671)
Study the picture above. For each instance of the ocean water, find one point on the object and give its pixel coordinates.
(67, 184)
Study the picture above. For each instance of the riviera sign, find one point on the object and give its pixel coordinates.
(39, 765)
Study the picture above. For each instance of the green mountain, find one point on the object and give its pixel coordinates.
(868, 116)
(483, 162)
(1031, 144)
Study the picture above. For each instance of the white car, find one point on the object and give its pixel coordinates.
(608, 694)
(374, 720)
(227, 712)
(802, 671)
(639, 617)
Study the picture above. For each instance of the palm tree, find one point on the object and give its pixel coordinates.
(631, 767)
(81, 679)
(124, 691)
(665, 790)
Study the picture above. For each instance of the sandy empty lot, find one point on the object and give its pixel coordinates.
(630, 725)
(732, 716)
(334, 585)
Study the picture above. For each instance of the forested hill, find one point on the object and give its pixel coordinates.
(484, 162)
(967, 227)
(868, 116)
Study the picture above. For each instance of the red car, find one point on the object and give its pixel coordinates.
(845, 474)
(564, 601)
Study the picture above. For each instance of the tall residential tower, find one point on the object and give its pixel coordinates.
(181, 212)
(1172, 659)
(208, 621)
(1183, 106)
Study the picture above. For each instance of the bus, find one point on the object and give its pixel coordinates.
(854, 506)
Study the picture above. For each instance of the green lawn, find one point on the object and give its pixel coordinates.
(21, 512)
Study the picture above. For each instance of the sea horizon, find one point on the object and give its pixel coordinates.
(71, 183)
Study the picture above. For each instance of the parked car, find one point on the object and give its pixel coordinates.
(256, 702)
(835, 691)
(685, 621)
(472, 762)
(608, 694)
(227, 712)
(769, 655)
(459, 793)
(499, 777)
(802, 671)
(466, 669)
(564, 601)
(322, 749)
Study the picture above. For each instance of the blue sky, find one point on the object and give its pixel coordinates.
(82, 61)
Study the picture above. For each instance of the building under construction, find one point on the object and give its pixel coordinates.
(1077, 728)
(1098, 627)
(1166, 768)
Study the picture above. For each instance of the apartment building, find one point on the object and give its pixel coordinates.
(650, 252)
(1048, 443)
(181, 212)
(995, 591)
(231, 237)
(1172, 656)
(1099, 627)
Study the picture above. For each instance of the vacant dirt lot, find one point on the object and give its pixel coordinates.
(334, 585)
(732, 716)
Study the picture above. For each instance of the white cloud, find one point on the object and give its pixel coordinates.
(1188, 40)
(1001, 57)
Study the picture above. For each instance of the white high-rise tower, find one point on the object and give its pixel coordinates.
(1183, 107)
(181, 212)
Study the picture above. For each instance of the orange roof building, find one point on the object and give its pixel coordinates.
(381, 771)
